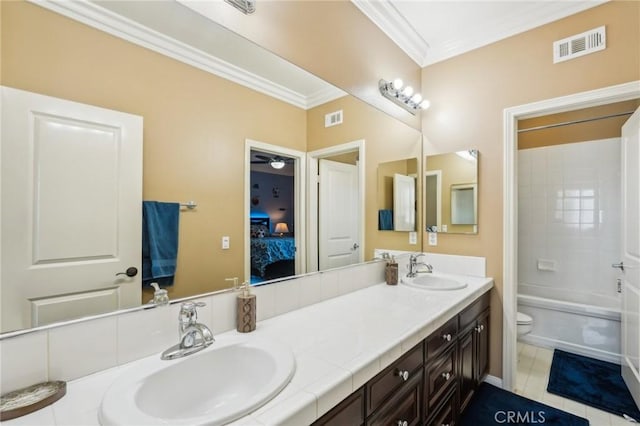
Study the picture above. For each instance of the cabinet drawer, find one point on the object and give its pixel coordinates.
(441, 338)
(381, 387)
(405, 407)
(349, 412)
(440, 376)
(469, 315)
(446, 413)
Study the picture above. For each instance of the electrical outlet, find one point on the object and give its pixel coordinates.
(413, 237)
(225, 243)
(433, 238)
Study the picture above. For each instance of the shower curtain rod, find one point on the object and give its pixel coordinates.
(568, 123)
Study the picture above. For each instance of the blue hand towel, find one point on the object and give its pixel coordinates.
(159, 241)
(385, 220)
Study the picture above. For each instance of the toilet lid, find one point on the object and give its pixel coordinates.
(524, 318)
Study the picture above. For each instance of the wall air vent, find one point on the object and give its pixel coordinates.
(333, 118)
(579, 45)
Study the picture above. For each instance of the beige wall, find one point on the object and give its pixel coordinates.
(468, 94)
(386, 139)
(195, 125)
(579, 132)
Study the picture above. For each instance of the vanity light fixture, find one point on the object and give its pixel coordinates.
(469, 155)
(245, 6)
(277, 163)
(402, 95)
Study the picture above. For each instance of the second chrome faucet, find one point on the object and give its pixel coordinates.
(413, 265)
(193, 336)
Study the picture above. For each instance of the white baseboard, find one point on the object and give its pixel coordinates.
(493, 380)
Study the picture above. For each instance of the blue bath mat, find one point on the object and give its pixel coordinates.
(591, 382)
(494, 406)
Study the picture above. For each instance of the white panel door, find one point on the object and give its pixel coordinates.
(338, 227)
(631, 254)
(404, 203)
(71, 209)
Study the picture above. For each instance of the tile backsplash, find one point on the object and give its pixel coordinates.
(75, 350)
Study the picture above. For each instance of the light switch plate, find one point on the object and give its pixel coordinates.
(225, 243)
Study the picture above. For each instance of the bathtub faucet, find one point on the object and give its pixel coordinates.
(413, 265)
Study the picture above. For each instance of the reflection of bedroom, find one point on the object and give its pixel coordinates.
(272, 217)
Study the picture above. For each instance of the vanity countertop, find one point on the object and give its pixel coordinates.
(339, 344)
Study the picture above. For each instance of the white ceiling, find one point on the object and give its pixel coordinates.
(430, 31)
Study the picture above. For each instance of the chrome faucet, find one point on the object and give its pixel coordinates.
(413, 265)
(193, 336)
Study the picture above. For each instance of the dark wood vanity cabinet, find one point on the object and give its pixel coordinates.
(349, 412)
(474, 349)
(430, 384)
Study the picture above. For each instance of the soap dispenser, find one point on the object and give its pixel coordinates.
(160, 295)
(391, 271)
(246, 310)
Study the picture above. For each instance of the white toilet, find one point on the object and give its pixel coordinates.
(525, 324)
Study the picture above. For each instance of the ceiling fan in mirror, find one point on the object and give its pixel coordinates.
(277, 162)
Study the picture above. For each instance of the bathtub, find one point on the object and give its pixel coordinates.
(584, 329)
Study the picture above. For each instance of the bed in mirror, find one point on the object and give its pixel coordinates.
(196, 125)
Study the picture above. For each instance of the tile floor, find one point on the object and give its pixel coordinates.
(534, 364)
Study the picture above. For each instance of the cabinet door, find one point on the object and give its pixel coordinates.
(446, 415)
(482, 338)
(349, 412)
(467, 367)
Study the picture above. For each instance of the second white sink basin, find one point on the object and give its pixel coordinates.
(434, 282)
(229, 379)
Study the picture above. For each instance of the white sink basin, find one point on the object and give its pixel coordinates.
(227, 380)
(434, 282)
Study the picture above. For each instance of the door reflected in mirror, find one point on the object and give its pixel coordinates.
(451, 192)
(397, 195)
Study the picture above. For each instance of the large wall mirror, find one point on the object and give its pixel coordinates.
(196, 126)
(451, 192)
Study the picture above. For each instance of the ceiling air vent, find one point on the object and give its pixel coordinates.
(333, 118)
(579, 45)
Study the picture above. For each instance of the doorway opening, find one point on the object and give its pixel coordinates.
(274, 212)
(512, 116)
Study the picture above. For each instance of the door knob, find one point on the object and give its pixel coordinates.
(618, 265)
(130, 272)
(355, 246)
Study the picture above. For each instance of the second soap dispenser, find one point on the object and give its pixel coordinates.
(246, 310)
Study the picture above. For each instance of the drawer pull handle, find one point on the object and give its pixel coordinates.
(403, 423)
(480, 328)
(445, 424)
(446, 376)
(446, 337)
(403, 374)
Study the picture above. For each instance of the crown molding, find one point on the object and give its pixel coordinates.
(395, 26)
(104, 20)
(324, 95)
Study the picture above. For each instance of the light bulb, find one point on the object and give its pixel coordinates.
(416, 99)
(408, 91)
(397, 84)
(425, 104)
